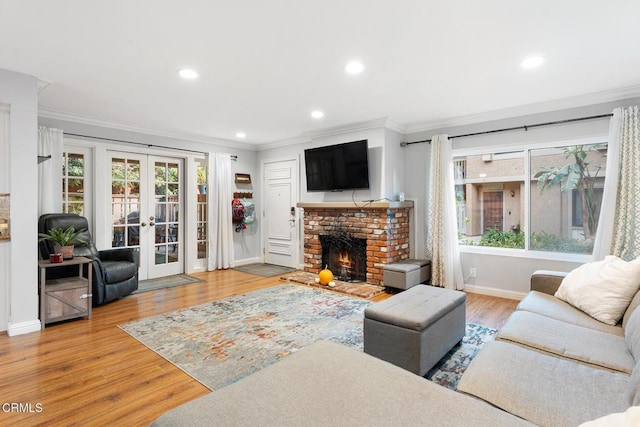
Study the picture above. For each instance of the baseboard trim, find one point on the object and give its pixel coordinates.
(494, 292)
(23, 327)
(247, 261)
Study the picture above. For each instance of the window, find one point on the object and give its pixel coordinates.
(73, 183)
(540, 199)
(201, 220)
(77, 181)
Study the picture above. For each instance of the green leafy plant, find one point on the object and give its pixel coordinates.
(554, 243)
(576, 176)
(62, 237)
(502, 239)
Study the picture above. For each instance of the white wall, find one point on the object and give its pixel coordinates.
(393, 165)
(500, 274)
(19, 257)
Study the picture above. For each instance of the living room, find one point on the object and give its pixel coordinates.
(556, 92)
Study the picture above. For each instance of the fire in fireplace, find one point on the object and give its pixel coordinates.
(345, 256)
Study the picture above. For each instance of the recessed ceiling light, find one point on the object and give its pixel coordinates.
(187, 73)
(317, 114)
(532, 62)
(241, 135)
(354, 67)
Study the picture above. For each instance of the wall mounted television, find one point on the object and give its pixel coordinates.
(338, 167)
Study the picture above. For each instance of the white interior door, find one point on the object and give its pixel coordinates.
(146, 211)
(280, 213)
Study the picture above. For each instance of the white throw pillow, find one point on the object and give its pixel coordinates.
(628, 418)
(602, 289)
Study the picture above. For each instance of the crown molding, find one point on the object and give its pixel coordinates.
(283, 143)
(91, 121)
(43, 84)
(382, 122)
(523, 110)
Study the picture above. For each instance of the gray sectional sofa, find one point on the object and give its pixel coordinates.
(554, 365)
(327, 384)
(551, 365)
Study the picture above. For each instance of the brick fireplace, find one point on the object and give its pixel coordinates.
(384, 226)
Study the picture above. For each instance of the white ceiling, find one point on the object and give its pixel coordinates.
(265, 65)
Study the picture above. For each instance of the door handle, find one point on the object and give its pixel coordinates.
(151, 218)
(151, 224)
(144, 224)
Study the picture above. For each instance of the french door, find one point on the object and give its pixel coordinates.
(147, 212)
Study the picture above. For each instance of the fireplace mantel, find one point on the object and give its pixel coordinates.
(356, 205)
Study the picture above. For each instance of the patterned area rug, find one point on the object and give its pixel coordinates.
(449, 370)
(223, 341)
(264, 270)
(165, 282)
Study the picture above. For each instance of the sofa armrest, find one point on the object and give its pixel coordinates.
(547, 281)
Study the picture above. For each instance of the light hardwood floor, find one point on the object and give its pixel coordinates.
(90, 372)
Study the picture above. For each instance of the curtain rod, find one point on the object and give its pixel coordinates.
(524, 127)
(233, 157)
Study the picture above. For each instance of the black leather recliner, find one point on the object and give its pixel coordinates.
(115, 271)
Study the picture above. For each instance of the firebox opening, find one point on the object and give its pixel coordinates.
(345, 256)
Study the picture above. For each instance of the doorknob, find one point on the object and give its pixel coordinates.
(151, 224)
(151, 218)
(144, 224)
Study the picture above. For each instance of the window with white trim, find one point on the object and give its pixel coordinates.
(545, 198)
(76, 181)
(201, 219)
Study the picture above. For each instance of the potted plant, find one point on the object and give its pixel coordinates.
(63, 240)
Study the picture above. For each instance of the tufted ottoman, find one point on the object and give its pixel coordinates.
(416, 328)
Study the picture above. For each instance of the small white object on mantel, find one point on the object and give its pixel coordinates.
(317, 279)
(332, 284)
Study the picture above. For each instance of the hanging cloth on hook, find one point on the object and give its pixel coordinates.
(237, 214)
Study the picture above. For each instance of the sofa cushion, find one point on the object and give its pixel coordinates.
(328, 384)
(583, 345)
(543, 389)
(633, 390)
(635, 302)
(632, 335)
(602, 289)
(550, 306)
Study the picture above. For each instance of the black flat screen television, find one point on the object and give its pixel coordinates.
(338, 167)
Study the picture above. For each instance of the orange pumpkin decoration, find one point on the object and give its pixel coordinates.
(325, 276)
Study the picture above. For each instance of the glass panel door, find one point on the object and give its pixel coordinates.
(166, 218)
(146, 211)
(125, 201)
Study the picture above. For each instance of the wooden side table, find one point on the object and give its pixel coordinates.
(66, 298)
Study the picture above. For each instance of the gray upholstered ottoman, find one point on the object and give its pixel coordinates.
(406, 273)
(415, 328)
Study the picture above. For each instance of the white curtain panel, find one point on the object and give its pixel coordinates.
(626, 226)
(4, 148)
(619, 223)
(220, 227)
(50, 143)
(441, 245)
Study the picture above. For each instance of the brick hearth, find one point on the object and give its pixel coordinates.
(385, 226)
